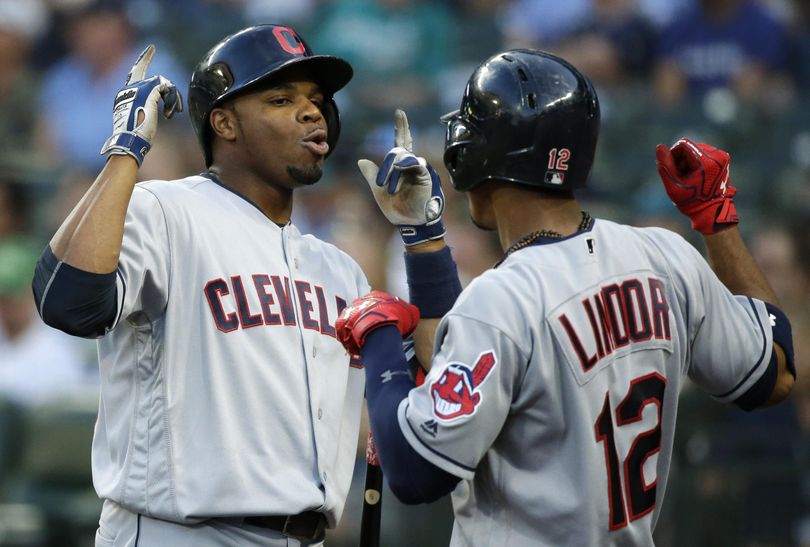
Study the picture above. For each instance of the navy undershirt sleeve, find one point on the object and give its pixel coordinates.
(761, 390)
(783, 337)
(72, 300)
(410, 477)
(433, 283)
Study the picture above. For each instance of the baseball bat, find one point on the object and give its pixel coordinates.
(372, 498)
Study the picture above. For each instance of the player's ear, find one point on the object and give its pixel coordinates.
(223, 123)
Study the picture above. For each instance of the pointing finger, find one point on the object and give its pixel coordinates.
(402, 132)
(139, 68)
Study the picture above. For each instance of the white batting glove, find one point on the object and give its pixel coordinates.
(135, 111)
(406, 188)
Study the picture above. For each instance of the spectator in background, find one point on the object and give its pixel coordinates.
(542, 23)
(612, 44)
(397, 47)
(102, 44)
(800, 44)
(191, 26)
(36, 361)
(545, 24)
(775, 250)
(296, 13)
(20, 23)
(14, 208)
(662, 12)
(478, 34)
(734, 44)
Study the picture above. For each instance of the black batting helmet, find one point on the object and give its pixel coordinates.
(242, 60)
(526, 117)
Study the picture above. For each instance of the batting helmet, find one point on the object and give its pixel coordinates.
(243, 60)
(526, 117)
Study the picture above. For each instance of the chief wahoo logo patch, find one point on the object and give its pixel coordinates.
(455, 393)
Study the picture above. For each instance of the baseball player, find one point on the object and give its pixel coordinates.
(550, 407)
(229, 412)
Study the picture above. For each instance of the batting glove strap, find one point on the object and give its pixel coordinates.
(411, 235)
(713, 216)
(127, 143)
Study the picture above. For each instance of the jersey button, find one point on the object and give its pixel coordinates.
(295, 263)
(314, 351)
(324, 476)
(320, 413)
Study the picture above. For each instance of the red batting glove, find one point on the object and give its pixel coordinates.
(696, 178)
(370, 312)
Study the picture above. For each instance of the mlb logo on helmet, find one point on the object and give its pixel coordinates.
(554, 177)
(455, 393)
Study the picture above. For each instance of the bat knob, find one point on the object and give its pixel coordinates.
(372, 497)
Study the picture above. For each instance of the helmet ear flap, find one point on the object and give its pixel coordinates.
(465, 150)
(465, 161)
(331, 115)
(453, 158)
(220, 79)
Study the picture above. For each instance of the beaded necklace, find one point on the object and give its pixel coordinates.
(528, 239)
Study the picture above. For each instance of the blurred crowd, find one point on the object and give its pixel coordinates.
(735, 73)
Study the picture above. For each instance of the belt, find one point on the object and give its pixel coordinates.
(309, 525)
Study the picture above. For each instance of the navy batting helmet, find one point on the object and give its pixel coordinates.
(526, 117)
(243, 60)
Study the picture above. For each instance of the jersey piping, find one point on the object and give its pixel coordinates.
(761, 356)
(213, 178)
(48, 288)
(411, 434)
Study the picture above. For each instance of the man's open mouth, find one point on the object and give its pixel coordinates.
(316, 142)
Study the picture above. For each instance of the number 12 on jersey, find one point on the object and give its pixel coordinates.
(639, 496)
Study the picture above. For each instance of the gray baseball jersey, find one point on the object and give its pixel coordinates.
(224, 391)
(554, 386)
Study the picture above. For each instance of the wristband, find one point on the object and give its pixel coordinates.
(127, 143)
(411, 235)
(433, 283)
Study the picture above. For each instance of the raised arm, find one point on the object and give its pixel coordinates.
(696, 178)
(409, 193)
(90, 237)
(737, 269)
(74, 281)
